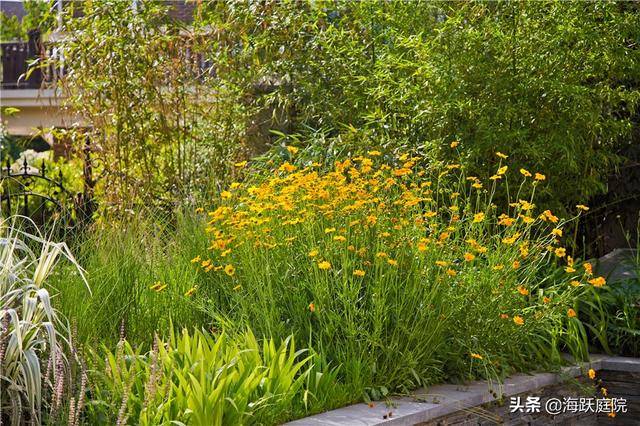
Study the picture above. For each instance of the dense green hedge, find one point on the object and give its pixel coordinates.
(552, 84)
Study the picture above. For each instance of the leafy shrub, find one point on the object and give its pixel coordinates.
(31, 332)
(553, 84)
(400, 272)
(200, 379)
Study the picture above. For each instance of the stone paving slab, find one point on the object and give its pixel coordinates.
(436, 401)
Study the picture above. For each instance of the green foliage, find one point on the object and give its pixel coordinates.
(552, 83)
(399, 270)
(10, 29)
(199, 379)
(612, 314)
(39, 15)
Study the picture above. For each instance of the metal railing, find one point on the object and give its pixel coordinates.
(21, 63)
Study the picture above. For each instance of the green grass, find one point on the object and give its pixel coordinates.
(123, 261)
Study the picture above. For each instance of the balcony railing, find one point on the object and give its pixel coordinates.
(18, 57)
(22, 63)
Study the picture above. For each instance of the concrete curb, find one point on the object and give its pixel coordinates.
(436, 401)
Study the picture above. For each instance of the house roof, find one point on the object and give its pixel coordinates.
(12, 8)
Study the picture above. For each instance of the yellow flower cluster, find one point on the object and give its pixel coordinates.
(367, 214)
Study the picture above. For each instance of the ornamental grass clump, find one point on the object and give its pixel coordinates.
(34, 341)
(401, 272)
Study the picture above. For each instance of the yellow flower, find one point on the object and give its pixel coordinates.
(498, 267)
(329, 230)
(510, 240)
(597, 282)
(312, 307)
(199, 210)
(545, 299)
(196, 259)
(359, 273)
(324, 265)
(518, 320)
(561, 252)
(392, 262)
(588, 268)
(374, 153)
(238, 287)
(422, 246)
(287, 167)
(515, 264)
(313, 253)
(502, 170)
(526, 219)
(525, 173)
(225, 194)
(292, 149)
(582, 207)
(476, 356)
(190, 292)
(548, 215)
(229, 270)
(557, 232)
(469, 256)
(569, 269)
(240, 164)
(522, 290)
(574, 283)
(539, 176)
(501, 155)
(381, 254)
(592, 373)
(477, 185)
(442, 263)
(451, 272)
(339, 238)
(478, 217)
(505, 220)
(571, 313)
(454, 144)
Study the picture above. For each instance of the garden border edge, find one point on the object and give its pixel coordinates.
(436, 401)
